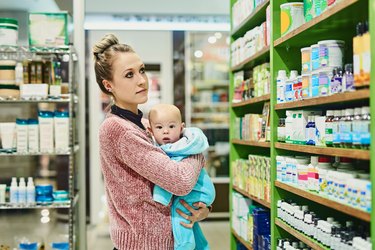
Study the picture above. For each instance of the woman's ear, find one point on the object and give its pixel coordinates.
(107, 85)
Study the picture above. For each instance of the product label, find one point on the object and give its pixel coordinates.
(356, 134)
(365, 133)
(336, 132)
(346, 131)
(314, 85)
(315, 63)
(289, 91)
(280, 91)
(329, 133)
(336, 85)
(323, 55)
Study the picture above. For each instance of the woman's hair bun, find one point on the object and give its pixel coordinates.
(106, 42)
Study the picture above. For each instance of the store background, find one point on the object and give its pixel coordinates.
(154, 44)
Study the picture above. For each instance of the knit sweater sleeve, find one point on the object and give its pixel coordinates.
(152, 163)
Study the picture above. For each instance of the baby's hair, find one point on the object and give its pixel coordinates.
(105, 52)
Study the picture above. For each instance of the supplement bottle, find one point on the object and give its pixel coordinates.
(280, 83)
(336, 128)
(328, 128)
(346, 128)
(357, 128)
(365, 128)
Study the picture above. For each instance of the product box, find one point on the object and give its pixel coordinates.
(320, 131)
(48, 29)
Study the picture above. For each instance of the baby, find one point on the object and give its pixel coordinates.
(168, 130)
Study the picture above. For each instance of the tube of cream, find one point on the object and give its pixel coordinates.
(8, 135)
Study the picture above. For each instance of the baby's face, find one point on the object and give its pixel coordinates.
(166, 127)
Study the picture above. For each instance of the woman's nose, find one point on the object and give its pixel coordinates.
(142, 79)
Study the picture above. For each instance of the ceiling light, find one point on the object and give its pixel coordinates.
(198, 53)
(212, 39)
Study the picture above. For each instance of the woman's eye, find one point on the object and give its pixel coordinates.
(142, 70)
(129, 75)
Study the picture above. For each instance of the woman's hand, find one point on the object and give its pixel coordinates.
(199, 212)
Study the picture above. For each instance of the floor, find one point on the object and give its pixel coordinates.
(216, 232)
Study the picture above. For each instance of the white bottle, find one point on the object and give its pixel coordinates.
(13, 191)
(22, 191)
(30, 191)
(312, 174)
(19, 74)
(289, 126)
(280, 84)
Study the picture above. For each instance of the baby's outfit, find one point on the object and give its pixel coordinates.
(193, 141)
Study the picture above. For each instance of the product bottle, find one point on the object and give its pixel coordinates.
(25, 65)
(280, 83)
(336, 128)
(289, 126)
(365, 128)
(30, 191)
(310, 131)
(348, 79)
(13, 193)
(281, 130)
(312, 174)
(357, 56)
(324, 165)
(336, 81)
(328, 128)
(357, 128)
(346, 128)
(22, 191)
(19, 74)
(366, 55)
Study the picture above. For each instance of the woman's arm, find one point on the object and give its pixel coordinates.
(138, 153)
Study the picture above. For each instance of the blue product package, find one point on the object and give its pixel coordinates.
(28, 246)
(43, 193)
(60, 246)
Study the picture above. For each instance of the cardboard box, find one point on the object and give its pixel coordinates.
(48, 29)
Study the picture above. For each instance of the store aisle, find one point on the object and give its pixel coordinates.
(216, 232)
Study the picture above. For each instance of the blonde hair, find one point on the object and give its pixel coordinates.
(105, 52)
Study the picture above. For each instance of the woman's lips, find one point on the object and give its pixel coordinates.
(141, 91)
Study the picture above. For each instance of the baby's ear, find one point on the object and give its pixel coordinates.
(183, 125)
(149, 130)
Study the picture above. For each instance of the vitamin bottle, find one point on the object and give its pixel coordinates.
(357, 120)
(310, 131)
(280, 84)
(348, 78)
(365, 128)
(346, 128)
(336, 128)
(328, 128)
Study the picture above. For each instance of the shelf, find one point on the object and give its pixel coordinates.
(210, 126)
(257, 200)
(76, 148)
(210, 104)
(220, 180)
(320, 101)
(341, 152)
(255, 18)
(36, 206)
(208, 114)
(307, 240)
(325, 201)
(254, 100)
(37, 101)
(240, 239)
(258, 57)
(333, 19)
(210, 84)
(251, 143)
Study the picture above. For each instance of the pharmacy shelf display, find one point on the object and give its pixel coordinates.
(331, 206)
(55, 187)
(250, 105)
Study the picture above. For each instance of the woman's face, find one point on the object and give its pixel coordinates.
(130, 83)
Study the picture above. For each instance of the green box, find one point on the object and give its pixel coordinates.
(47, 29)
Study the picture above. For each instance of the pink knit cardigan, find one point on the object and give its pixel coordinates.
(131, 166)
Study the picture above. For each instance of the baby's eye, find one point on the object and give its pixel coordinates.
(159, 127)
(172, 126)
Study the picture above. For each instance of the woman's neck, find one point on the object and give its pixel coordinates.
(133, 109)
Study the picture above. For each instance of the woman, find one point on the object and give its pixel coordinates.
(131, 164)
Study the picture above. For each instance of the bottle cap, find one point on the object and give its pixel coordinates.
(345, 160)
(330, 112)
(349, 112)
(324, 159)
(281, 73)
(365, 110)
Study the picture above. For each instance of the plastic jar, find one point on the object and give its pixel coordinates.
(308, 10)
(325, 77)
(324, 165)
(306, 61)
(7, 72)
(314, 86)
(315, 64)
(331, 53)
(306, 82)
(291, 16)
(8, 31)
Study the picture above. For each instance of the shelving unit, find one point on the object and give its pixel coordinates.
(241, 148)
(70, 157)
(240, 239)
(325, 201)
(252, 197)
(337, 22)
(307, 240)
